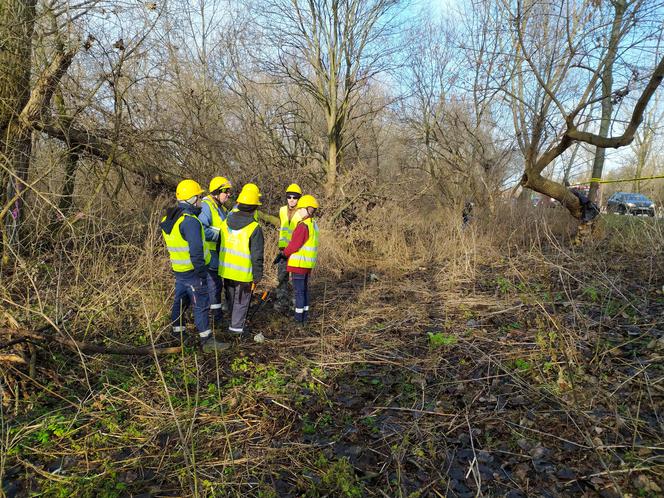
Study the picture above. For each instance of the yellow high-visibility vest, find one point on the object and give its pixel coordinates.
(216, 222)
(234, 253)
(178, 247)
(307, 255)
(287, 226)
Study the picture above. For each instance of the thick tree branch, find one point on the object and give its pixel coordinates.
(40, 96)
(99, 147)
(636, 119)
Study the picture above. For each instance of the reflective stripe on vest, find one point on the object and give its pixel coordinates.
(178, 247)
(218, 215)
(287, 226)
(235, 255)
(307, 255)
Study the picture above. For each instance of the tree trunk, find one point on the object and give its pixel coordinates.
(555, 190)
(71, 166)
(607, 99)
(17, 149)
(331, 177)
(17, 18)
(333, 141)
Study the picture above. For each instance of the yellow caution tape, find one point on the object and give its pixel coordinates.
(599, 180)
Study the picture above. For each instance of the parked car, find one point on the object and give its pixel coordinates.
(628, 203)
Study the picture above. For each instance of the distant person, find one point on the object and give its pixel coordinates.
(241, 256)
(288, 220)
(184, 238)
(467, 213)
(302, 254)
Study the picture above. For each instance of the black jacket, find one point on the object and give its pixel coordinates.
(240, 219)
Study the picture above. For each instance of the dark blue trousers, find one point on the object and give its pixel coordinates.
(191, 291)
(301, 289)
(215, 285)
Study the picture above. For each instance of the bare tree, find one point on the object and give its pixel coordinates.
(619, 28)
(330, 49)
(448, 110)
(555, 62)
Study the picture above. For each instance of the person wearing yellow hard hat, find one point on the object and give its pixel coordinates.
(213, 212)
(250, 187)
(302, 254)
(241, 256)
(288, 220)
(185, 240)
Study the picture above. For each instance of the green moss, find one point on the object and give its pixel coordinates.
(440, 339)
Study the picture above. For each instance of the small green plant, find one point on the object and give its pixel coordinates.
(241, 364)
(308, 427)
(611, 308)
(521, 365)
(440, 339)
(370, 423)
(268, 379)
(54, 426)
(324, 420)
(592, 293)
(504, 285)
(338, 479)
(266, 492)
(509, 327)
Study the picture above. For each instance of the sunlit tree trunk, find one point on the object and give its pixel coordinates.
(17, 18)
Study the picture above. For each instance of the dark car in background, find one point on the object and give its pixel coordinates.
(629, 203)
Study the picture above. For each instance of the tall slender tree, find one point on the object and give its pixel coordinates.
(330, 48)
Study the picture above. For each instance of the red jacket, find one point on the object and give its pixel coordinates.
(300, 236)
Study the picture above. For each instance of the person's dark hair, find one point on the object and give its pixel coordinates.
(246, 208)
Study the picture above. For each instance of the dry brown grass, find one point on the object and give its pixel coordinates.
(507, 293)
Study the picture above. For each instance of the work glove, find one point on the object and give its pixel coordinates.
(280, 257)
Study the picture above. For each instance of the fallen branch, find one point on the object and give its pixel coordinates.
(347, 205)
(85, 347)
(413, 410)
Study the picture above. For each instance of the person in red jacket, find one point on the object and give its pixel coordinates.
(302, 254)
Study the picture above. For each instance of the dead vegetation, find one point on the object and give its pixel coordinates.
(440, 362)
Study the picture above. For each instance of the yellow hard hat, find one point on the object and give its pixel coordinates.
(249, 195)
(252, 187)
(187, 189)
(294, 188)
(307, 201)
(219, 182)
